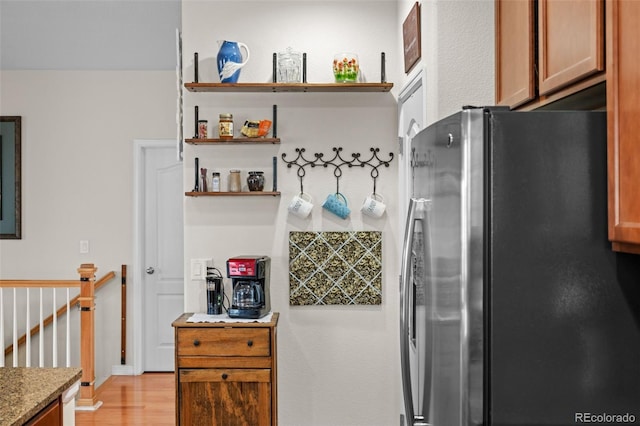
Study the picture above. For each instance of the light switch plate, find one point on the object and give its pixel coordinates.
(199, 269)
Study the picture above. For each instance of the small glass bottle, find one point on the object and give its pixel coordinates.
(202, 129)
(225, 126)
(235, 184)
(215, 182)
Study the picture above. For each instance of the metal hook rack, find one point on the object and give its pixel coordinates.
(337, 162)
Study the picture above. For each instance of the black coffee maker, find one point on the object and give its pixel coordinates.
(250, 286)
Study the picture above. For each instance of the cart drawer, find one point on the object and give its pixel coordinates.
(224, 341)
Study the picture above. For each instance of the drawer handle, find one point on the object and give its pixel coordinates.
(196, 342)
(250, 343)
(224, 376)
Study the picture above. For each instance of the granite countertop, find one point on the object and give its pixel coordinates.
(26, 391)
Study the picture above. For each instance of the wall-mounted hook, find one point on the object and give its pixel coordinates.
(337, 162)
(300, 162)
(375, 173)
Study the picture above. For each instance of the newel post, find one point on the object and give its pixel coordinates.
(87, 398)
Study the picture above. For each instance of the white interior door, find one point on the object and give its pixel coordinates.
(162, 257)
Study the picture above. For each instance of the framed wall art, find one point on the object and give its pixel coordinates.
(335, 268)
(411, 38)
(10, 177)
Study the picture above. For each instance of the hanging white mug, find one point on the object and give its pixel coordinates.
(301, 205)
(374, 205)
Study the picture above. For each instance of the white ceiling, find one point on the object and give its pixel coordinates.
(88, 34)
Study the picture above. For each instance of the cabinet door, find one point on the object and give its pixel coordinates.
(225, 397)
(623, 120)
(51, 415)
(515, 52)
(570, 42)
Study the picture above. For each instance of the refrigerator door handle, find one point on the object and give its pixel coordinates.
(406, 308)
(430, 315)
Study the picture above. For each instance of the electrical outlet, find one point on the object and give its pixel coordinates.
(84, 246)
(199, 269)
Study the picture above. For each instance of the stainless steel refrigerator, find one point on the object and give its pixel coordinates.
(514, 309)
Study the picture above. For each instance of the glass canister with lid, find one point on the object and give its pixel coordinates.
(235, 184)
(225, 126)
(202, 129)
(289, 66)
(255, 181)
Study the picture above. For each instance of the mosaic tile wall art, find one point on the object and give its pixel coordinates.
(335, 268)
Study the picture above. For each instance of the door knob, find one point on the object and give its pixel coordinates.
(150, 270)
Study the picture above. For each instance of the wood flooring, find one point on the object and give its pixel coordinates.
(147, 399)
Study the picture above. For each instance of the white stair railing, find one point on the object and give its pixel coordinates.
(86, 301)
(24, 304)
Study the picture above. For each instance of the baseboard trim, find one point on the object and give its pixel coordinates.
(122, 370)
(94, 407)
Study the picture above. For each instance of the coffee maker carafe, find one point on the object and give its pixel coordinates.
(250, 286)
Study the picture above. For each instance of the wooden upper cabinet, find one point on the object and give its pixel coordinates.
(548, 50)
(515, 52)
(570, 42)
(623, 121)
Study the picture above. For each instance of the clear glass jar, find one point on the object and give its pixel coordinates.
(289, 66)
(202, 129)
(235, 184)
(255, 181)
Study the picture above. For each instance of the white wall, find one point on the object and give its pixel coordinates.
(87, 82)
(337, 365)
(458, 54)
(78, 129)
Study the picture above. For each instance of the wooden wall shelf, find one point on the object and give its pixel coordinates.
(288, 87)
(233, 194)
(239, 141)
